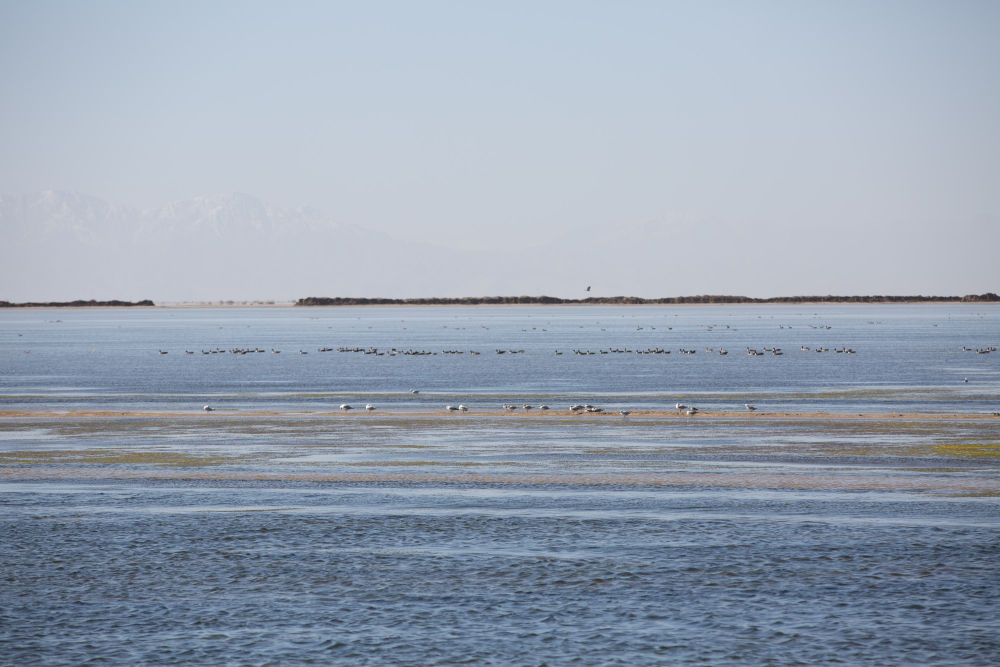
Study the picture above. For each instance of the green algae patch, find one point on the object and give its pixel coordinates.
(969, 450)
(112, 457)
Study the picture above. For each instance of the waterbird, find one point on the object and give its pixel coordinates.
(369, 406)
(624, 413)
(692, 411)
(749, 407)
(345, 406)
(681, 406)
(208, 408)
(450, 408)
(462, 408)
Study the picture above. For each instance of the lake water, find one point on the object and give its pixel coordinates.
(907, 358)
(137, 529)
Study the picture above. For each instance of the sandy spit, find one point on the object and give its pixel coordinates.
(497, 413)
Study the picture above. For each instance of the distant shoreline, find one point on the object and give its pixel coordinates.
(988, 297)
(79, 303)
(705, 299)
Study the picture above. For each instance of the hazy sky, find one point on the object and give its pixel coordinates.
(771, 125)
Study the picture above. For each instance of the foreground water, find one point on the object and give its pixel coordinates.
(854, 517)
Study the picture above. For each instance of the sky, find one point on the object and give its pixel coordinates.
(770, 129)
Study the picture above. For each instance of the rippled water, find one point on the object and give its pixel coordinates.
(135, 529)
(210, 573)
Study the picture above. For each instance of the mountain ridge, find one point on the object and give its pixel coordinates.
(234, 246)
(229, 245)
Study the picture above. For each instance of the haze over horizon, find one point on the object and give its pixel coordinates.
(451, 149)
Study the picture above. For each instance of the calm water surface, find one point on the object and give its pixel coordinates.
(274, 532)
(906, 357)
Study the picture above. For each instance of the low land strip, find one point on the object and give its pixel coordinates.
(634, 300)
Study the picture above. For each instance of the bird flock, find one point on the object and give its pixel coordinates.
(581, 352)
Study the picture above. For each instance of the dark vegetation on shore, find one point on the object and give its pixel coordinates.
(543, 300)
(79, 303)
(615, 300)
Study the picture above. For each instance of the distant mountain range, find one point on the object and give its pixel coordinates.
(61, 246)
(69, 245)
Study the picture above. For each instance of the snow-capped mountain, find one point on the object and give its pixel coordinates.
(57, 246)
(53, 214)
(228, 215)
(62, 245)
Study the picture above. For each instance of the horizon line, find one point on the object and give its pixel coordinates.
(987, 297)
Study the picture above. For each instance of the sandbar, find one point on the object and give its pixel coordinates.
(498, 412)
